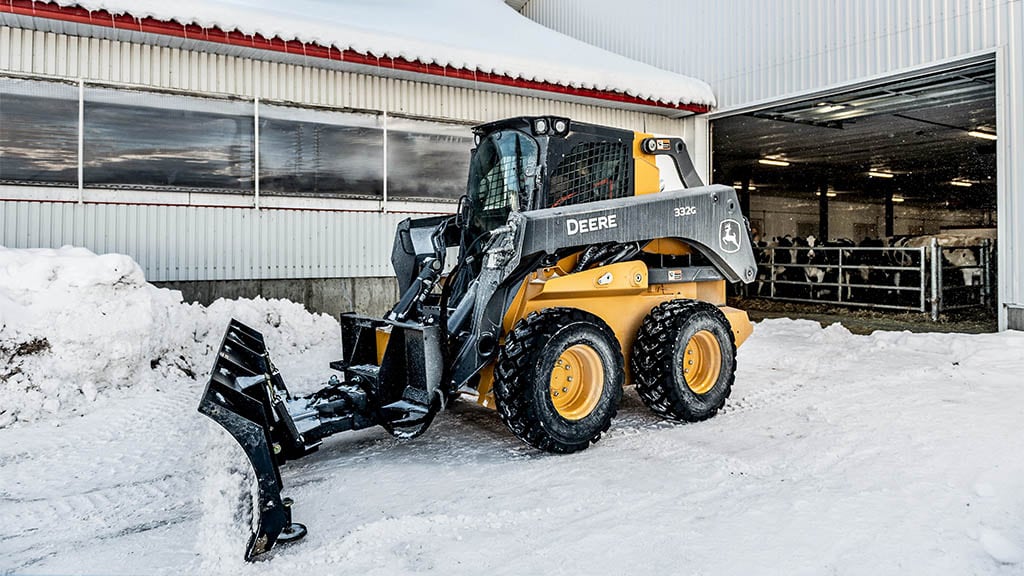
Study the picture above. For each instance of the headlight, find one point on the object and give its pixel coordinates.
(540, 126)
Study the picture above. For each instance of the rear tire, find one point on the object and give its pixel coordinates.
(684, 360)
(558, 380)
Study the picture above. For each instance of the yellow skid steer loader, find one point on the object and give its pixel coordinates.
(572, 265)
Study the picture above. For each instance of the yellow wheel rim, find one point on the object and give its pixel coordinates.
(577, 379)
(702, 362)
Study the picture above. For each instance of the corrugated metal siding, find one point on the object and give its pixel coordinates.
(1010, 125)
(752, 51)
(193, 243)
(201, 243)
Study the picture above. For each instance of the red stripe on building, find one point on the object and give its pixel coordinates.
(216, 35)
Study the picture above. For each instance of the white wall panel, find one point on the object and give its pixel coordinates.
(194, 243)
(756, 50)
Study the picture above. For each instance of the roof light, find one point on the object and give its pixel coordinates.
(877, 174)
(740, 187)
(773, 162)
(827, 194)
(982, 135)
(898, 199)
(961, 183)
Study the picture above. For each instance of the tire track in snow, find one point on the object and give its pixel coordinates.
(126, 468)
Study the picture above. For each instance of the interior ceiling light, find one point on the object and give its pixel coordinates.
(982, 135)
(960, 183)
(773, 162)
(877, 174)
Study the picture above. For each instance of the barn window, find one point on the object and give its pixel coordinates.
(592, 171)
(427, 160)
(167, 142)
(307, 152)
(148, 140)
(38, 132)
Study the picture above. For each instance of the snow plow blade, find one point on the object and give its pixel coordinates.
(247, 397)
(241, 397)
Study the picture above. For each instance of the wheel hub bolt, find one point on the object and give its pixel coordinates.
(690, 362)
(565, 389)
(568, 379)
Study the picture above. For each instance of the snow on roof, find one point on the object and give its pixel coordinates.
(482, 35)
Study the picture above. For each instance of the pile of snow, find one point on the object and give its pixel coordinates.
(483, 35)
(77, 329)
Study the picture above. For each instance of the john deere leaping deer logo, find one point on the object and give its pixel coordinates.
(729, 236)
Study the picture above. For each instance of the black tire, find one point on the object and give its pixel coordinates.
(523, 379)
(660, 353)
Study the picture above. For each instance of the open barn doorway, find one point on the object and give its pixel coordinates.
(878, 197)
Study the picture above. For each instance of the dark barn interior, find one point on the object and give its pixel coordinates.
(882, 165)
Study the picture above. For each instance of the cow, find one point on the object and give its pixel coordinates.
(831, 263)
(960, 258)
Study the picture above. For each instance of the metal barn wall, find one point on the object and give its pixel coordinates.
(212, 243)
(751, 51)
(177, 243)
(756, 52)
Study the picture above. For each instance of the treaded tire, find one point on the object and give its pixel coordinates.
(522, 379)
(659, 353)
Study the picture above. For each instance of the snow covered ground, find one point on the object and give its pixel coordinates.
(893, 453)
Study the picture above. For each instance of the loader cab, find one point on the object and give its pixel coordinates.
(529, 163)
(503, 175)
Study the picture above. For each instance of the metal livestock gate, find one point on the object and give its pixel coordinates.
(918, 279)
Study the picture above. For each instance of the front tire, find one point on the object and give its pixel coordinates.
(558, 380)
(684, 360)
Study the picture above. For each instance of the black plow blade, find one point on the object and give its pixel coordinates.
(241, 396)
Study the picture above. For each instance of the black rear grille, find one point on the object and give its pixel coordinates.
(592, 171)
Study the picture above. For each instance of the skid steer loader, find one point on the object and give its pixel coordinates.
(572, 264)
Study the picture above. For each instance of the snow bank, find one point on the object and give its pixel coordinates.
(484, 35)
(76, 328)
